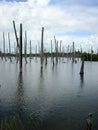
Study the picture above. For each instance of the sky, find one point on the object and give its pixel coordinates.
(67, 20)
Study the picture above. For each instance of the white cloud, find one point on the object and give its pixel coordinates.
(38, 2)
(57, 21)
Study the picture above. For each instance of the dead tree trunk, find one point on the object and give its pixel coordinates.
(51, 49)
(9, 47)
(4, 46)
(30, 51)
(63, 53)
(42, 54)
(17, 40)
(82, 67)
(91, 53)
(73, 53)
(57, 52)
(36, 53)
(60, 52)
(25, 47)
(56, 49)
(20, 50)
(67, 52)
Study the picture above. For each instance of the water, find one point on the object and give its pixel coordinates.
(55, 98)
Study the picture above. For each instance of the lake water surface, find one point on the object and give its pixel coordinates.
(55, 98)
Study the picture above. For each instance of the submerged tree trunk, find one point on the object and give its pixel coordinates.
(82, 67)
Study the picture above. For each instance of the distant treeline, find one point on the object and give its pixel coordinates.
(89, 57)
(48, 54)
(78, 54)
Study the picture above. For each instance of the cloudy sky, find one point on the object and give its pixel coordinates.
(67, 20)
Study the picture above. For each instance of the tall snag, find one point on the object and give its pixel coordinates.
(25, 47)
(42, 52)
(4, 46)
(17, 40)
(20, 49)
(9, 47)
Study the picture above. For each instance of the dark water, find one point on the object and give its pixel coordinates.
(55, 98)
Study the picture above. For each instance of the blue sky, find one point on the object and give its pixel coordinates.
(68, 2)
(76, 2)
(66, 19)
(17, 0)
(81, 33)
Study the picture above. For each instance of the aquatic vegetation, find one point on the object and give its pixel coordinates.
(18, 122)
(12, 123)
